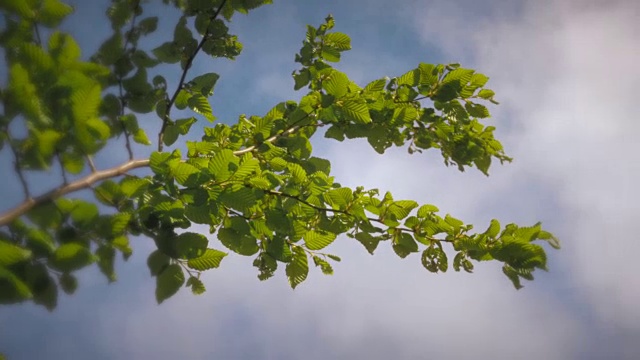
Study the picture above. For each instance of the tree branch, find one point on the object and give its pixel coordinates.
(16, 165)
(166, 119)
(8, 216)
(319, 208)
(123, 102)
(290, 130)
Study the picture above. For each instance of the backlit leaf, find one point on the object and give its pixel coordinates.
(168, 282)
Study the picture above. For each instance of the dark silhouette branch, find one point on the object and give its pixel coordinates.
(187, 66)
(123, 102)
(17, 166)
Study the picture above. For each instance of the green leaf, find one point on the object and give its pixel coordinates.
(401, 208)
(411, 78)
(513, 276)
(191, 245)
(200, 104)
(11, 254)
(84, 213)
(196, 285)
(375, 86)
(434, 259)
(298, 173)
(298, 269)
(148, 25)
(68, 283)
(248, 167)
(317, 240)
(204, 83)
(158, 162)
(425, 210)
(339, 198)
(279, 249)
(223, 164)
(337, 84)
(71, 256)
(12, 288)
(140, 137)
(324, 266)
(404, 244)
(455, 223)
(184, 173)
(494, 229)
(132, 186)
(338, 41)
(552, 240)
(106, 258)
(477, 110)
(479, 80)
(486, 94)
(357, 110)
(301, 79)
(330, 54)
(335, 132)
(369, 241)
(241, 243)
(122, 244)
(209, 260)
(142, 59)
(169, 282)
(428, 74)
(157, 262)
(169, 52)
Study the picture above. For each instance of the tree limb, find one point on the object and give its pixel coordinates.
(187, 66)
(8, 216)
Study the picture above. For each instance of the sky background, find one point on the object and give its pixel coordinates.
(566, 75)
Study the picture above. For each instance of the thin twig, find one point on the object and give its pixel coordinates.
(124, 128)
(319, 208)
(62, 171)
(271, 139)
(92, 166)
(17, 166)
(166, 119)
(38, 39)
(123, 102)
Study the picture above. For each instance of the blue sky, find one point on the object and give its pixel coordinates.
(565, 73)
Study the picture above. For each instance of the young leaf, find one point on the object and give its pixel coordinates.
(338, 41)
(298, 269)
(169, 282)
(357, 110)
(200, 104)
(209, 260)
(316, 240)
(157, 262)
(71, 256)
(204, 83)
(11, 254)
(191, 245)
(196, 285)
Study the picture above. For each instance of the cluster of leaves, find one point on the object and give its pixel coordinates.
(255, 183)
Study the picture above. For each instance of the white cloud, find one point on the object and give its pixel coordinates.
(567, 75)
(567, 124)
